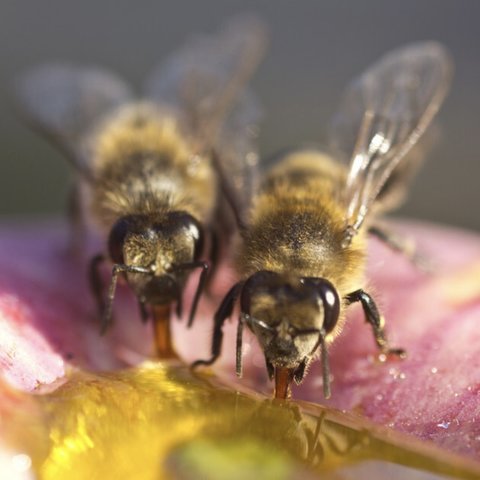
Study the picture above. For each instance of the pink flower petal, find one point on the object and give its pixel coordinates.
(48, 322)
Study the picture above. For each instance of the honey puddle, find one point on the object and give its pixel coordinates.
(160, 421)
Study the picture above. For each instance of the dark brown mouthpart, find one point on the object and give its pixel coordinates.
(162, 332)
(283, 380)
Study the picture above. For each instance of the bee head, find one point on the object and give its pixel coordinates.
(289, 315)
(161, 244)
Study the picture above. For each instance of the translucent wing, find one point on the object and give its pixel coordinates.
(205, 82)
(236, 149)
(63, 102)
(383, 114)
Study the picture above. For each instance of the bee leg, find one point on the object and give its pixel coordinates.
(214, 255)
(224, 311)
(108, 307)
(179, 308)
(402, 246)
(200, 287)
(143, 311)
(95, 281)
(377, 322)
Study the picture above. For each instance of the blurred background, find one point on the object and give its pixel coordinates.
(316, 47)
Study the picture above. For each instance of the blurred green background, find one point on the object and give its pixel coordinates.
(316, 47)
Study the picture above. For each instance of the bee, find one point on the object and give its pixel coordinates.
(144, 170)
(302, 244)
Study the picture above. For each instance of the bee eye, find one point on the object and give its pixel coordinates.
(331, 302)
(182, 220)
(116, 239)
(259, 281)
(198, 238)
(328, 295)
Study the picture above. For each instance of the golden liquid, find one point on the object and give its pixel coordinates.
(160, 421)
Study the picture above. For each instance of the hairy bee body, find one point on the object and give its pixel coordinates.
(144, 165)
(295, 230)
(296, 225)
(302, 250)
(146, 173)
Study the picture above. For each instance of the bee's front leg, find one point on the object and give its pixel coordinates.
(377, 322)
(214, 257)
(224, 311)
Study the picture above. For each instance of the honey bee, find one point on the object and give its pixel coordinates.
(145, 175)
(302, 244)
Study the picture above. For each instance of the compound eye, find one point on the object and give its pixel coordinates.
(198, 238)
(259, 281)
(183, 220)
(116, 239)
(330, 300)
(331, 306)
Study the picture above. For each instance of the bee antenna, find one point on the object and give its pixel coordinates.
(325, 366)
(117, 269)
(238, 356)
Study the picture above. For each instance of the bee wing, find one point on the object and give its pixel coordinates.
(394, 191)
(383, 114)
(205, 82)
(237, 152)
(62, 102)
